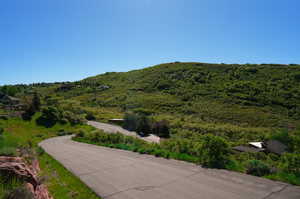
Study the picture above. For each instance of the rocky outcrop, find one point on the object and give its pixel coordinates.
(18, 167)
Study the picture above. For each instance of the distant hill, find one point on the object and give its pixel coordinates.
(266, 95)
(260, 95)
(237, 104)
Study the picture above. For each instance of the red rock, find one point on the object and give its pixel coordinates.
(18, 167)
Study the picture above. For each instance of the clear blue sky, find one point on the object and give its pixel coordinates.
(60, 40)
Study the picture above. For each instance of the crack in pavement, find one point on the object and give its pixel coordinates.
(275, 192)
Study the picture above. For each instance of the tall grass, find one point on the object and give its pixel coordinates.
(7, 184)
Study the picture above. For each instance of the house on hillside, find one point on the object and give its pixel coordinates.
(274, 146)
(270, 146)
(258, 145)
(252, 147)
(246, 149)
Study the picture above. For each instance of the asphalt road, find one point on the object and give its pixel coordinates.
(117, 174)
(110, 128)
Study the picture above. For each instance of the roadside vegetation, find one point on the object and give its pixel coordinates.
(207, 150)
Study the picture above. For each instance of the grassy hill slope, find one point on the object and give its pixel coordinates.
(247, 95)
(239, 103)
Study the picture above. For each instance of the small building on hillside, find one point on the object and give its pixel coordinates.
(270, 146)
(258, 145)
(247, 149)
(274, 146)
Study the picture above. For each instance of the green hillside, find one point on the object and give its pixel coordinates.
(239, 103)
(244, 95)
(219, 93)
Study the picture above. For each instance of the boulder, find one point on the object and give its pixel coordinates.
(18, 167)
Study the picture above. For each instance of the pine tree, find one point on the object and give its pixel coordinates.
(36, 102)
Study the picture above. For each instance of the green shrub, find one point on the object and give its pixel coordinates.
(80, 134)
(8, 183)
(234, 165)
(28, 113)
(137, 122)
(62, 132)
(9, 90)
(50, 116)
(8, 151)
(285, 177)
(295, 143)
(290, 162)
(182, 145)
(32, 107)
(90, 116)
(257, 168)
(297, 76)
(1, 131)
(40, 151)
(214, 151)
(161, 129)
(72, 118)
(4, 117)
(130, 121)
(282, 136)
(142, 150)
(36, 102)
(143, 126)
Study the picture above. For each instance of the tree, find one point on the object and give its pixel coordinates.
(9, 90)
(137, 122)
(214, 151)
(50, 116)
(161, 129)
(71, 117)
(282, 136)
(29, 112)
(36, 102)
(257, 168)
(290, 162)
(143, 126)
(33, 106)
(90, 116)
(1, 133)
(130, 121)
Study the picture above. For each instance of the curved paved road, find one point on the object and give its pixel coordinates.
(110, 128)
(117, 174)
